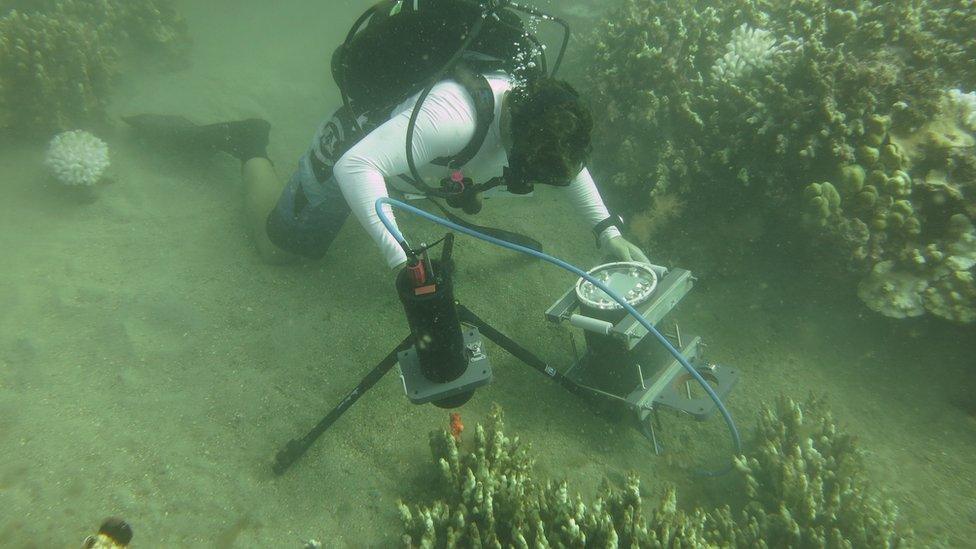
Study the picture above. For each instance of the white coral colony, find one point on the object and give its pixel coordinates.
(77, 158)
(748, 50)
(965, 103)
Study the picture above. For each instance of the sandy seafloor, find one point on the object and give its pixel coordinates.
(151, 364)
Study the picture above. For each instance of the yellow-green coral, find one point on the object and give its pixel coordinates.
(152, 25)
(952, 294)
(852, 179)
(803, 485)
(492, 500)
(902, 227)
(876, 127)
(806, 485)
(56, 72)
(822, 202)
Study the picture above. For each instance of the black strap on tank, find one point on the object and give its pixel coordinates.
(484, 107)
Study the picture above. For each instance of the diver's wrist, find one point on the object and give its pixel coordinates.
(607, 235)
(607, 228)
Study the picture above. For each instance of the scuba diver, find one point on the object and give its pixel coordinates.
(455, 91)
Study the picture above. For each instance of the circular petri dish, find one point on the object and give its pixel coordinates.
(635, 282)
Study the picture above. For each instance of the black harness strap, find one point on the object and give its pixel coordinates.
(348, 130)
(484, 107)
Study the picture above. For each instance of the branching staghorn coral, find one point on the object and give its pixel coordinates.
(806, 485)
(492, 500)
(803, 484)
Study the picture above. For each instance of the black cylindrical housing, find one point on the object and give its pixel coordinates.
(605, 346)
(435, 326)
(609, 362)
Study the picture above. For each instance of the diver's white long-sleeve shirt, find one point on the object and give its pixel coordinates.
(444, 127)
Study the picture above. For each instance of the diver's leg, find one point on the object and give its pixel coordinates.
(310, 209)
(262, 187)
(247, 140)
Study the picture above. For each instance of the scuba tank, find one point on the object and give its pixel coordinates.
(397, 46)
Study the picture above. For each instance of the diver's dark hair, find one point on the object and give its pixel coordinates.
(550, 128)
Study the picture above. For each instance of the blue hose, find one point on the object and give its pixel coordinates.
(736, 442)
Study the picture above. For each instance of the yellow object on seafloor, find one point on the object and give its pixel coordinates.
(114, 533)
(101, 541)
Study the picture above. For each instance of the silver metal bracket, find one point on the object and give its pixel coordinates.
(421, 390)
(674, 388)
(670, 291)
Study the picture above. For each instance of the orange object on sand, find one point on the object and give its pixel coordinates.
(456, 426)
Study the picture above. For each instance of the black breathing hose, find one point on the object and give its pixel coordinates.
(473, 33)
(412, 124)
(345, 44)
(561, 22)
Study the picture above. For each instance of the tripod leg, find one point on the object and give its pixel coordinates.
(519, 352)
(296, 448)
(646, 425)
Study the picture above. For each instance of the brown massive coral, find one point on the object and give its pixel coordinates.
(58, 59)
(801, 113)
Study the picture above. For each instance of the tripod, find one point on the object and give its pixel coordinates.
(296, 448)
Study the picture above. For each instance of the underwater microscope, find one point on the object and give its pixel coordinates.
(443, 360)
(620, 364)
(624, 366)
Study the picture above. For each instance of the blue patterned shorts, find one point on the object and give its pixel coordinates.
(311, 209)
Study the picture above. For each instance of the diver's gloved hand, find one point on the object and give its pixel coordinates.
(620, 249)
